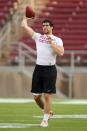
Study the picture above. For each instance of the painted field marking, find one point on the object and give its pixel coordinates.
(32, 101)
(20, 125)
(71, 102)
(65, 116)
(16, 101)
(16, 125)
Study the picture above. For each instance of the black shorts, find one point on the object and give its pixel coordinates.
(44, 79)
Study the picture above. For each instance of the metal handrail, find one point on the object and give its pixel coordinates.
(22, 66)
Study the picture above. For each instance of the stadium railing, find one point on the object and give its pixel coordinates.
(23, 53)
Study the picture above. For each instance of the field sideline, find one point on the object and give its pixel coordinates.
(24, 115)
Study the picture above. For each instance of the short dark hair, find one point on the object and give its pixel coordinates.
(48, 21)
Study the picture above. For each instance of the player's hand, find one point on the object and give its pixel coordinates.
(49, 39)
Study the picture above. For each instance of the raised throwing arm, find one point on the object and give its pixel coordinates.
(28, 29)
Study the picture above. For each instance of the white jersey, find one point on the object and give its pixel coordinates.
(45, 53)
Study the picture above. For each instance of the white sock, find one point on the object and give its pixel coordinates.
(46, 117)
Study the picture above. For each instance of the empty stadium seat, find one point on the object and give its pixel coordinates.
(5, 6)
(70, 23)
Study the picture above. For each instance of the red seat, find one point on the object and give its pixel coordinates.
(2, 16)
(5, 10)
(1, 21)
(58, 10)
(73, 32)
(63, 5)
(5, 6)
(14, 53)
(74, 42)
(76, 54)
(3, 1)
(75, 37)
(73, 1)
(70, 23)
(74, 26)
(75, 48)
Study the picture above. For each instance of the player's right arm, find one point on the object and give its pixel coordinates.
(28, 29)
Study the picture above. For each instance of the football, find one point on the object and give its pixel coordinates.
(30, 13)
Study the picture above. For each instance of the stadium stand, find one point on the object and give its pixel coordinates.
(70, 18)
(11, 27)
(5, 10)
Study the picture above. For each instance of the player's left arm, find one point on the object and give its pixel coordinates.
(59, 49)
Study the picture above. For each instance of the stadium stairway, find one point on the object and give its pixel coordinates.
(6, 7)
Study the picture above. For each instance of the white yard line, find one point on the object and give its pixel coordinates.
(16, 125)
(16, 101)
(75, 101)
(65, 116)
(71, 102)
(22, 125)
(19, 120)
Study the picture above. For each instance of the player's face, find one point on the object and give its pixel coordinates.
(47, 29)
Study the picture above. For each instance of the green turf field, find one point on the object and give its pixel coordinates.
(21, 117)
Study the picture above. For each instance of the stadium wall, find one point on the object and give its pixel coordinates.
(14, 84)
(79, 87)
(18, 84)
